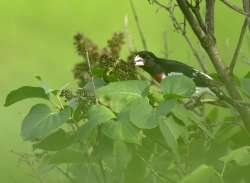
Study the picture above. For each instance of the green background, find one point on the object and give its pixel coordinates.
(36, 38)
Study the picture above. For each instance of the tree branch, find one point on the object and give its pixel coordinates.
(196, 11)
(210, 47)
(179, 28)
(235, 7)
(238, 47)
(209, 18)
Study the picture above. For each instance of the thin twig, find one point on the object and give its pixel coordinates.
(102, 170)
(91, 76)
(66, 175)
(143, 40)
(235, 7)
(131, 48)
(238, 47)
(157, 174)
(178, 27)
(165, 44)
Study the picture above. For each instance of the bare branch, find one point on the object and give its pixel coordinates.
(235, 7)
(209, 19)
(144, 44)
(196, 11)
(238, 47)
(210, 47)
(179, 28)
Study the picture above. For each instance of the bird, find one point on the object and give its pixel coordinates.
(160, 68)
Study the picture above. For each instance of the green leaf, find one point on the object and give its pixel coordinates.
(67, 156)
(240, 156)
(155, 94)
(97, 115)
(144, 116)
(189, 118)
(178, 85)
(122, 155)
(204, 174)
(86, 130)
(118, 95)
(25, 92)
(171, 132)
(41, 122)
(100, 114)
(56, 141)
(122, 129)
(165, 107)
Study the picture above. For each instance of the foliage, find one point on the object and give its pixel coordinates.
(117, 127)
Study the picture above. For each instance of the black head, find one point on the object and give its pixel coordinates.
(144, 58)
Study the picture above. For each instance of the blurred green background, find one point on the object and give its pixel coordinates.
(36, 38)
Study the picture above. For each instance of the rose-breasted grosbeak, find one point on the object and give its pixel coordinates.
(160, 68)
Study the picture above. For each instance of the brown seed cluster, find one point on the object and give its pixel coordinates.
(106, 61)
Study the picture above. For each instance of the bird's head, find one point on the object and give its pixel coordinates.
(144, 59)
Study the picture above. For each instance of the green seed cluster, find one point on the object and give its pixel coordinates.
(67, 94)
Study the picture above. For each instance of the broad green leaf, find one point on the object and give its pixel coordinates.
(165, 107)
(203, 174)
(118, 95)
(100, 114)
(122, 155)
(156, 94)
(25, 92)
(178, 85)
(41, 122)
(122, 129)
(56, 141)
(189, 118)
(67, 156)
(97, 115)
(144, 116)
(171, 132)
(240, 156)
(86, 130)
(227, 132)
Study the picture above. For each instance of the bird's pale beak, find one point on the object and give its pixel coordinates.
(138, 61)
